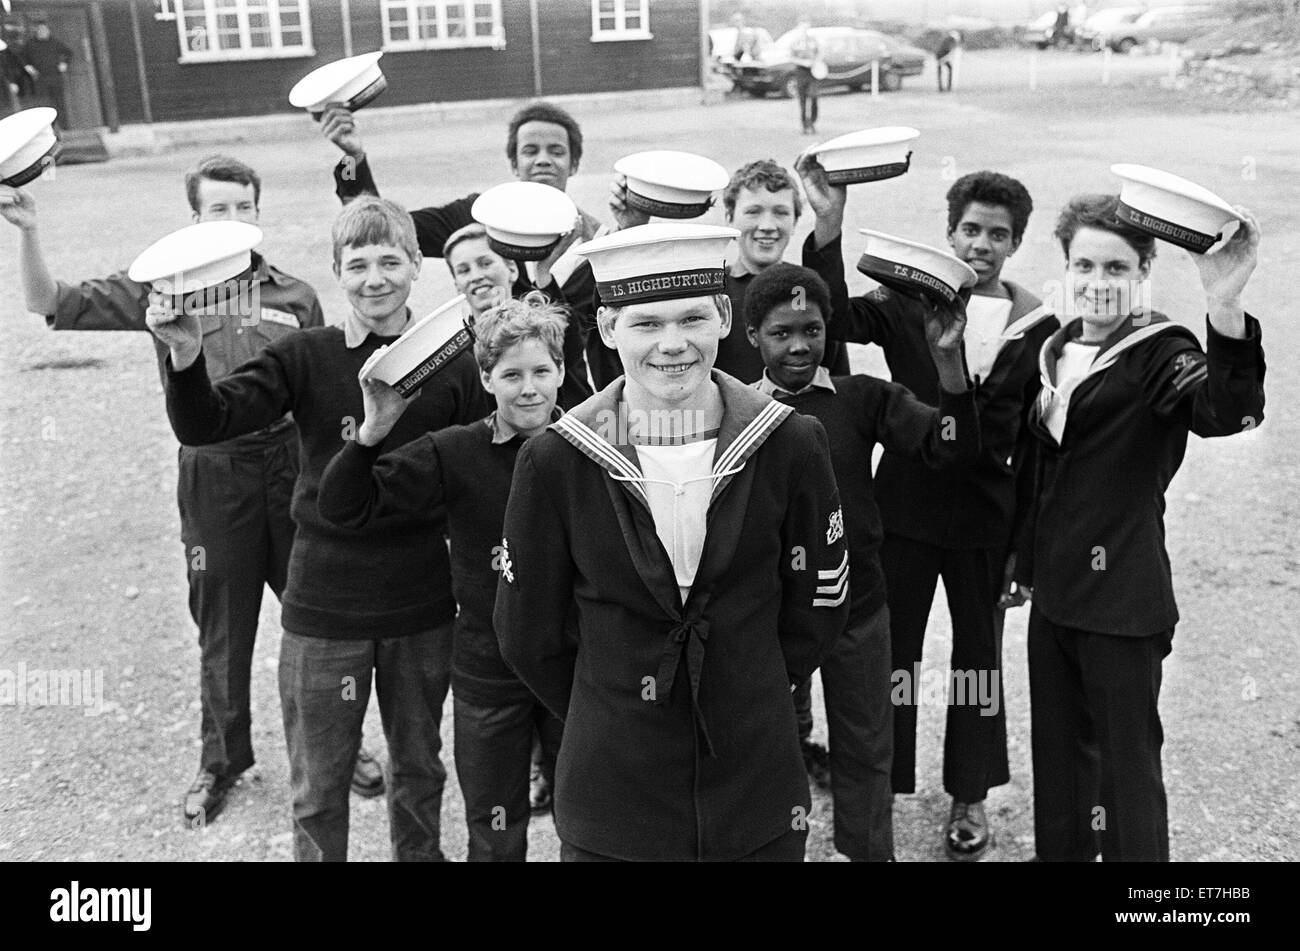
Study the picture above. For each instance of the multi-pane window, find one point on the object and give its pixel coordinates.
(620, 20)
(243, 29)
(433, 24)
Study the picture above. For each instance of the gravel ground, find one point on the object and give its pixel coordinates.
(91, 576)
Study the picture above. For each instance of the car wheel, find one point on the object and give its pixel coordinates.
(758, 92)
(791, 88)
(1126, 45)
(890, 81)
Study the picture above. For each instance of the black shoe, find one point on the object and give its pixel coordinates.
(540, 798)
(967, 837)
(206, 797)
(817, 762)
(367, 776)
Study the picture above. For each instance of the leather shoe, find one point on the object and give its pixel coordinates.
(206, 797)
(367, 776)
(967, 837)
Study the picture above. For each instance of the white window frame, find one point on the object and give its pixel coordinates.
(621, 33)
(497, 40)
(246, 51)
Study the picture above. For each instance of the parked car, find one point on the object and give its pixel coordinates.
(1166, 25)
(1098, 28)
(1039, 31)
(847, 53)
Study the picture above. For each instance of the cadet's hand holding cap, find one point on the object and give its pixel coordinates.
(866, 156)
(28, 145)
(1172, 208)
(422, 350)
(671, 184)
(912, 268)
(524, 220)
(199, 264)
(354, 82)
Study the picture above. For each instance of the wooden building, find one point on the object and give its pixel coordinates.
(175, 60)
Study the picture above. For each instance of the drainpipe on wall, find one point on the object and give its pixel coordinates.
(136, 39)
(345, 11)
(535, 22)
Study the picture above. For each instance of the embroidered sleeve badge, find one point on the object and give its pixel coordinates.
(501, 561)
(835, 529)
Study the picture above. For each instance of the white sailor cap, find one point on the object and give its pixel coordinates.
(354, 82)
(28, 144)
(524, 220)
(200, 263)
(867, 156)
(659, 262)
(910, 267)
(671, 184)
(1172, 208)
(422, 350)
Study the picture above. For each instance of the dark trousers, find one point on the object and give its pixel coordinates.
(494, 746)
(235, 525)
(1096, 744)
(975, 744)
(324, 692)
(806, 87)
(786, 848)
(940, 66)
(803, 712)
(860, 723)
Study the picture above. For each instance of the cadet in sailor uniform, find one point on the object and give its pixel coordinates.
(697, 525)
(1121, 391)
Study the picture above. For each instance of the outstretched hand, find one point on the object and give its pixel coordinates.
(1224, 272)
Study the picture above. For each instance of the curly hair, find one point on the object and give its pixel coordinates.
(764, 173)
(531, 317)
(1100, 211)
(782, 283)
(990, 188)
(545, 112)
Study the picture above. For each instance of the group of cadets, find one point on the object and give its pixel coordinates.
(630, 610)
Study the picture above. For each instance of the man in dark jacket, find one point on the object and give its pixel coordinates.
(954, 525)
(697, 526)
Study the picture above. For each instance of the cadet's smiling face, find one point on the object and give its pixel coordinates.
(668, 347)
(226, 201)
(525, 382)
(482, 275)
(542, 154)
(1105, 272)
(766, 220)
(983, 240)
(792, 342)
(377, 279)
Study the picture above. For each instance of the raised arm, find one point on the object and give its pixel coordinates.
(40, 291)
(361, 486)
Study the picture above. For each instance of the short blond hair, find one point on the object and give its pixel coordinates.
(370, 220)
(531, 317)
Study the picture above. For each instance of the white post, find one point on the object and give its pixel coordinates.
(1105, 66)
(1173, 62)
(1033, 69)
(875, 79)
(955, 79)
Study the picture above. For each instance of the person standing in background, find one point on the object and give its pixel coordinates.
(47, 61)
(945, 58)
(804, 51)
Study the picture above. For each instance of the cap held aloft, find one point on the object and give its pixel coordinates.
(659, 262)
(912, 268)
(201, 265)
(524, 220)
(422, 350)
(28, 145)
(1172, 208)
(671, 184)
(354, 82)
(867, 156)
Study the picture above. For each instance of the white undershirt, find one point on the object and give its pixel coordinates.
(1071, 368)
(680, 509)
(986, 318)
